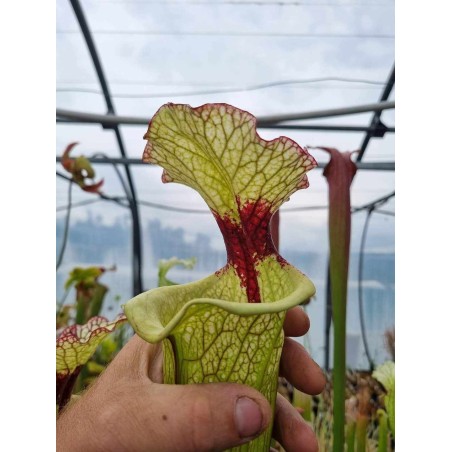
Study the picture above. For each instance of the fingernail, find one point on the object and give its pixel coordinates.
(248, 417)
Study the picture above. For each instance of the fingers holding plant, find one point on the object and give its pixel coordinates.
(291, 430)
(296, 323)
(128, 409)
(300, 369)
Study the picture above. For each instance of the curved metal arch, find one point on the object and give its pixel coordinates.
(375, 123)
(130, 190)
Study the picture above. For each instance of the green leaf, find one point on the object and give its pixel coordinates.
(216, 150)
(244, 179)
(77, 343)
(84, 277)
(74, 347)
(382, 430)
(165, 265)
(90, 293)
(385, 374)
(228, 326)
(339, 173)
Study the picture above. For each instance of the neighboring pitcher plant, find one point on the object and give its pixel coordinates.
(228, 326)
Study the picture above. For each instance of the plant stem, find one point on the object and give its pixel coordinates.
(382, 431)
(350, 430)
(339, 379)
(360, 290)
(304, 402)
(361, 433)
(339, 274)
(339, 173)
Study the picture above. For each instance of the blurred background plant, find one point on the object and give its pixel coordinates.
(86, 342)
(165, 265)
(89, 298)
(355, 412)
(367, 411)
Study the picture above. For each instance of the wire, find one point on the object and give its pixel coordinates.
(173, 209)
(66, 227)
(202, 211)
(371, 207)
(232, 89)
(185, 210)
(144, 82)
(176, 209)
(60, 304)
(374, 204)
(231, 34)
(116, 199)
(222, 84)
(246, 3)
(121, 179)
(299, 209)
(194, 93)
(79, 204)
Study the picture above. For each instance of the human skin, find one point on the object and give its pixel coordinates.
(129, 409)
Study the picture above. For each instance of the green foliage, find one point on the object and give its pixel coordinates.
(366, 427)
(385, 374)
(339, 173)
(90, 293)
(165, 265)
(82, 333)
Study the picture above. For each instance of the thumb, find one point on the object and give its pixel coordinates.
(209, 417)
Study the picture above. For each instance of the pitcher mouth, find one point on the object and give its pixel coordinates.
(154, 314)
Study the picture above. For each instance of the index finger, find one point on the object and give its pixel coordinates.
(296, 322)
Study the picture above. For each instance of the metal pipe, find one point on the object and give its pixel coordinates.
(375, 123)
(372, 166)
(314, 127)
(262, 121)
(323, 128)
(93, 52)
(380, 106)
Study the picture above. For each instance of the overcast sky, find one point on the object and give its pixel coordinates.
(165, 48)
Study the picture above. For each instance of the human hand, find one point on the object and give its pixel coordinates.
(129, 409)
